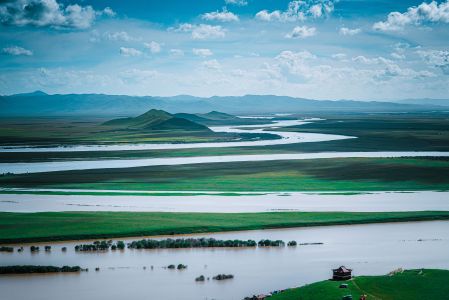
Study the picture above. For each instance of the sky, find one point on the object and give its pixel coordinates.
(317, 49)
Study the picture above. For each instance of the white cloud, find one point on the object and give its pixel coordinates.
(397, 55)
(424, 13)
(339, 56)
(237, 2)
(211, 64)
(301, 32)
(371, 61)
(349, 31)
(316, 10)
(48, 13)
(298, 10)
(265, 15)
(119, 36)
(176, 52)
(130, 51)
(153, 46)
(201, 31)
(202, 52)
(137, 75)
(294, 61)
(436, 58)
(109, 12)
(16, 51)
(221, 16)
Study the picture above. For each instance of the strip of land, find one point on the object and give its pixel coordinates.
(406, 285)
(336, 174)
(58, 226)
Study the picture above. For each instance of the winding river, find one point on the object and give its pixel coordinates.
(38, 167)
(286, 138)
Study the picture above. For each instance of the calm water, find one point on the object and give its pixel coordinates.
(369, 202)
(21, 168)
(368, 249)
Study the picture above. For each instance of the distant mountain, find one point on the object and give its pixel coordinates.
(99, 105)
(156, 120)
(425, 101)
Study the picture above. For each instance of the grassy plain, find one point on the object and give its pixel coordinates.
(374, 132)
(408, 285)
(346, 174)
(52, 226)
(85, 131)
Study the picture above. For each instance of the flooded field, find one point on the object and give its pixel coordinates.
(368, 249)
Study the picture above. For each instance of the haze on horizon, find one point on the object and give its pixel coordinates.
(317, 49)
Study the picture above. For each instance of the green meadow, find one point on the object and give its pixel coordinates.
(53, 226)
(407, 285)
(345, 174)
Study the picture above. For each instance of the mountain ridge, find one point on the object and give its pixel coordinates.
(41, 104)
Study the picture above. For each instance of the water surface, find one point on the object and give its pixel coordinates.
(368, 249)
(312, 202)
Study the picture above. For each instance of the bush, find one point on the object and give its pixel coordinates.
(6, 249)
(223, 277)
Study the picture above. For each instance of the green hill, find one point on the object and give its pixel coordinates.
(406, 285)
(216, 115)
(155, 119)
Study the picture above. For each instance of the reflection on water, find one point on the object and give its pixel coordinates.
(368, 249)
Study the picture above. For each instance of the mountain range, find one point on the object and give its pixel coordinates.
(40, 104)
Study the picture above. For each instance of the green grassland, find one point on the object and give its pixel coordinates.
(58, 131)
(406, 285)
(378, 132)
(374, 132)
(50, 226)
(346, 174)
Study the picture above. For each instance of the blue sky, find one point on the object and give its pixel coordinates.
(321, 49)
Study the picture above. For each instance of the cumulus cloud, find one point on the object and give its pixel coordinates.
(301, 32)
(109, 12)
(124, 51)
(349, 31)
(294, 61)
(17, 51)
(436, 58)
(202, 52)
(221, 16)
(424, 13)
(201, 31)
(298, 11)
(237, 2)
(153, 46)
(48, 13)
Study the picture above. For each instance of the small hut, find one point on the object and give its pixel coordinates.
(342, 273)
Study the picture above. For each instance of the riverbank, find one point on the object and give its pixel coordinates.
(59, 226)
(407, 285)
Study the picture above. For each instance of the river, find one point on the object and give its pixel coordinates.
(285, 138)
(368, 249)
(38, 167)
(270, 202)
